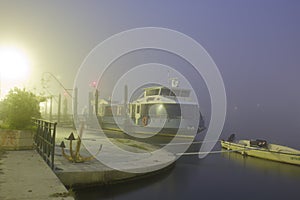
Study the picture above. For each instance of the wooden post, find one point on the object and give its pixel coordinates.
(59, 108)
(96, 101)
(75, 101)
(51, 98)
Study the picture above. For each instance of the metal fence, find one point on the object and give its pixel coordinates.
(45, 140)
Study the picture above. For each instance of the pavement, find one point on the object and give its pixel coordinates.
(24, 175)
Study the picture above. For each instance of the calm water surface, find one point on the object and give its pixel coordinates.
(218, 176)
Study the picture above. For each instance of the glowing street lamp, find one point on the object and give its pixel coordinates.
(14, 68)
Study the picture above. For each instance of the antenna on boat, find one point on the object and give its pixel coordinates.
(174, 82)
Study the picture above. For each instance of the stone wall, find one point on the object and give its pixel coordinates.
(16, 139)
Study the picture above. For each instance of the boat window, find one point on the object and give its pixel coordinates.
(185, 93)
(109, 110)
(120, 110)
(165, 92)
(138, 109)
(182, 110)
(259, 143)
(144, 110)
(152, 92)
(176, 93)
(173, 110)
(132, 110)
(172, 93)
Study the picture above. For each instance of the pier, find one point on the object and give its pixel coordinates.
(93, 172)
(43, 172)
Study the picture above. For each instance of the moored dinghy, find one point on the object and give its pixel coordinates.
(261, 149)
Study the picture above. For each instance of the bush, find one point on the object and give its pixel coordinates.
(18, 108)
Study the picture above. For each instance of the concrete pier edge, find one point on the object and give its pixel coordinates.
(129, 179)
(95, 173)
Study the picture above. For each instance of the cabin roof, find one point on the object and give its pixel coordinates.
(163, 87)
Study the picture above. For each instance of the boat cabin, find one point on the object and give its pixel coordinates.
(156, 107)
(259, 143)
(166, 92)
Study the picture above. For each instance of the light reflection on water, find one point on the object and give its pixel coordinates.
(218, 176)
(262, 165)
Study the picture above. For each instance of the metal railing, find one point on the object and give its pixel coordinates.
(45, 140)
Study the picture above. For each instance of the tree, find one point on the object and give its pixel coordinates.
(18, 108)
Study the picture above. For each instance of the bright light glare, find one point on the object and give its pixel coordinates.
(14, 69)
(14, 64)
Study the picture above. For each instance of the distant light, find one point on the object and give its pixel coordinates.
(93, 84)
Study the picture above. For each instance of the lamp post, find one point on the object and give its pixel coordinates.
(56, 79)
(66, 91)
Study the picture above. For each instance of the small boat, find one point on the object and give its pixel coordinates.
(261, 149)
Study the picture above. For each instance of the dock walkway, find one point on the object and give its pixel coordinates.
(24, 175)
(94, 172)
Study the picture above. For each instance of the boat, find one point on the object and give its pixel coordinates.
(262, 149)
(156, 110)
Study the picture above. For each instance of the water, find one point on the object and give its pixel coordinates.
(218, 176)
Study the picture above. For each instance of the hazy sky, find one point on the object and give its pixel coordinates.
(255, 44)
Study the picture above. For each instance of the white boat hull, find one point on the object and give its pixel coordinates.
(273, 152)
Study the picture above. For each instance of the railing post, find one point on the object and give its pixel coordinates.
(45, 140)
(53, 145)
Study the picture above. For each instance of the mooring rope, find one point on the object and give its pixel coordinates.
(211, 152)
(182, 143)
